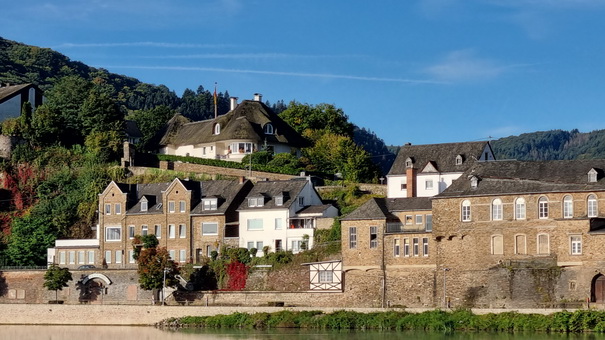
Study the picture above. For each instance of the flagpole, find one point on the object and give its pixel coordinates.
(215, 106)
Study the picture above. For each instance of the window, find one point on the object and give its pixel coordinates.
(352, 237)
(131, 231)
(406, 247)
(255, 224)
(107, 209)
(62, 257)
(182, 255)
(415, 246)
(217, 129)
(241, 148)
(172, 254)
(301, 201)
(497, 209)
(250, 245)
(408, 162)
(91, 256)
(466, 211)
(113, 234)
(474, 182)
(326, 276)
(576, 244)
(118, 256)
(458, 159)
(171, 231)
(204, 150)
(296, 246)
(425, 246)
(592, 208)
(210, 203)
(567, 207)
(118, 208)
(520, 245)
(158, 231)
(409, 219)
(543, 207)
(171, 206)
(396, 247)
(72, 257)
(268, 129)
(428, 223)
(182, 231)
(543, 244)
(428, 184)
(592, 176)
(143, 205)
(520, 208)
(256, 202)
(259, 245)
(497, 245)
(279, 223)
(182, 206)
(210, 228)
(373, 237)
(144, 230)
(131, 256)
(403, 186)
(108, 256)
(279, 200)
(278, 245)
(419, 219)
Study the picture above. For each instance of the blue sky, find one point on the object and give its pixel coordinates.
(419, 71)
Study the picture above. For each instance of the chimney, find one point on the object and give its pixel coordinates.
(233, 103)
(258, 97)
(242, 179)
(410, 182)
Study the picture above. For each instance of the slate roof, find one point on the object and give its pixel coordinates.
(132, 129)
(245, 122)
(442, 156)
(313, 210)
(270, 189)
(382, 208)
(525, 177)
(6, 92)
(225, 191)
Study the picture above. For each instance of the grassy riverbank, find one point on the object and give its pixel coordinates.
(436, 320)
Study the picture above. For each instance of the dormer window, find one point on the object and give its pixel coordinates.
(592, 176)
(459, 160)
(210, 203)
(144, 204)
(474, 182)
(409, 162)
(217, 129)
(256, 202)
(279, 200)
(269, 129)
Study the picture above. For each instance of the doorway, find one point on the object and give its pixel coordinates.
(598, 289)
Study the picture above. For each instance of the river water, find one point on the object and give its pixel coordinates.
(26, 332)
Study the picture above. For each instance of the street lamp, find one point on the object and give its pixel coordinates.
(445, 288)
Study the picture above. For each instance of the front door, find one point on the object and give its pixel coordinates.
(598, 289)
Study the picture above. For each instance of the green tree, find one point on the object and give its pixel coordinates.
(30, 237)
(56, 278)
(324, 117)
(151, 121)
(155, 267)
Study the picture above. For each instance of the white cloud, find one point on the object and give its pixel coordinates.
(141, 44)
(464, 65)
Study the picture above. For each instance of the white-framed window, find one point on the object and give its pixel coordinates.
(131, 256)
(428, 223)
(118, 256)
(182, 231)
(575, 244)
(210, 203)
(158, 231)
(255, 224)
(520, 244)
(241, 148)
(250, 245)
(210, 228)
(567, 206)
(592, 206)
(113, 234)
(144, 230)
(108, 256)
(497, 245)
(373, 237)
(182, 206)
(256, 202)
(172, 254)
(296, 246)
(543, 244)
(466, 211)
(268, 129)
(61, 257)
(217, 129)
(279, 223)
(543, 207)
(592, 176)
(425, 246)
(458, 159)
(171, 231)
(143, 205)
(428, 184)
(352, 237)
(419, 219)
(326, 276)
(497, 209)
(396, 247)
(72, 257)
(406, 247)
(131, 232)
(259, 245)
(279, 200)
(91, 256)
(182, 255)
(170, 206)
(520, 208)
(415, 246)
(118, 208)
(81, 257)
(107, 209)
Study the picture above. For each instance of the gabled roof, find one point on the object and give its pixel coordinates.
(224, 191)
(7, 92)
(441, 156)
(525, 177)
(379, 208)
(132, 129)
(245, 122)
(270, 189)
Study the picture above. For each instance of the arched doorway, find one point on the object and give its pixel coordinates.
(597, 293)
(93, 287)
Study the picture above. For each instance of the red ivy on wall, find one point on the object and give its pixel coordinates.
(238, 274)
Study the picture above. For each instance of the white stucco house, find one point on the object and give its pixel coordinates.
(283, 215)
(427, 170)
(248, 127)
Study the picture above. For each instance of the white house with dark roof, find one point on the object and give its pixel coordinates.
(426, 170)
(282, 215)
(248, 127)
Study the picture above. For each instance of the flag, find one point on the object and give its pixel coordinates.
(215, 95)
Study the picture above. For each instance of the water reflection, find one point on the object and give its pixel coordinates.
(25, 332)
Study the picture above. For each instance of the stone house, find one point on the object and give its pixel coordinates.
(523, 234)
(248, 127)
(426, 170)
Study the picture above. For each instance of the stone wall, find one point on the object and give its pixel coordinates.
(218, 171)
